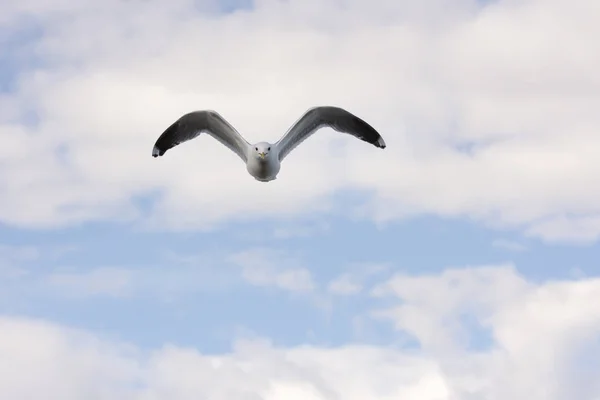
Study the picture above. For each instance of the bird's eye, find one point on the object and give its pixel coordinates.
(256, 148)
(269, 149)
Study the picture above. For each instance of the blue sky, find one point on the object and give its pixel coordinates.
(421, 271)
(201, 299)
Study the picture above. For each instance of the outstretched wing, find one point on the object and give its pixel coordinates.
(191, 125)
(333, 117)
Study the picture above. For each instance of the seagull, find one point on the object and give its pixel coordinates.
(263, 159)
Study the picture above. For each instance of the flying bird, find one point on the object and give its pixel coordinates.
(263, 159)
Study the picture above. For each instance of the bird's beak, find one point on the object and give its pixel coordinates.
(262, 155)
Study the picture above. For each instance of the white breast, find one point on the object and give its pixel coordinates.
(263, 170)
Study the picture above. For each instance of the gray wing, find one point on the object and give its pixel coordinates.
(327, 116)
(191, 125)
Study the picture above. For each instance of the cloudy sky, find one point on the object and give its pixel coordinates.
(460, 263)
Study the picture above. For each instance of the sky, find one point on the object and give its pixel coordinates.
(459, 263)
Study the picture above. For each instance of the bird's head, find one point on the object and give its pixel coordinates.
(262, 150)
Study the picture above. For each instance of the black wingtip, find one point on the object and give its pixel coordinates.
(156, 152)
(380, 143)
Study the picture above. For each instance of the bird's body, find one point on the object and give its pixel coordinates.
(263, 160)
(263, 169)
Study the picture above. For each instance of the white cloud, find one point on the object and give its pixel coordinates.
(71, 365)
(344, 285)
(509, 245)
(300, 230)
(170, 278)
(353, 281)
(517, 79)
(264, 267)
(543, 347)
(295, 280)
(574, 230)
(432, 304)
(539, 332)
